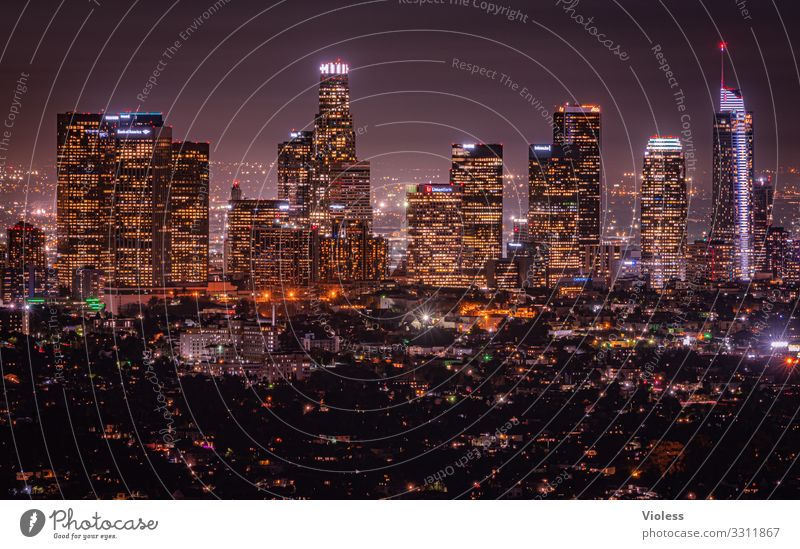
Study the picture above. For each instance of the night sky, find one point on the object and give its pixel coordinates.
(247, 74)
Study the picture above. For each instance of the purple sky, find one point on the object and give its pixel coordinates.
(247, 74)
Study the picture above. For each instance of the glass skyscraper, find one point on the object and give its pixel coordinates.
(478, 170)
(576, 128)
(664, 211)
(733, 181)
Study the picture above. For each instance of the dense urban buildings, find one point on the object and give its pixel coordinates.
(319, 351)
(664, 211)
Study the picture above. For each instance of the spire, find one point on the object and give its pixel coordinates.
(722, 47)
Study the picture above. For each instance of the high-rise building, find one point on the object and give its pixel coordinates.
(777, 251)
(763, 198)
(281, 257)
(142, 169)
(85, 170)
(709, 260)
(349, 195)
(334, 136)
(125, 197)
(554, 208)
(295, 163)
(187, 216)
(664, 211)
(733, 180)
(244, 217)
(26, 263)
(576, 128)
(435, 235)
(478, 171)
(352, 254)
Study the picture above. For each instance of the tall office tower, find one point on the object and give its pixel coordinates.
(281, 257)
(664, 211)
(85, 168)
(352, 254)
(26, 265)
(294, 174)
(478, 171)
(435, 235)
(187, 216)
(733, 179)
(334, 136)
(244, 217)
(349, 196)
(554, 211)
(763, 197)
(143, 165)
(777, 248)
(577, 128)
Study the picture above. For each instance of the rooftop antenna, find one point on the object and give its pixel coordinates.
(722, 48)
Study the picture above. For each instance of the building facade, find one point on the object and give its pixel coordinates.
(477, 170)
(435, 235)
(187, 216)
(732, 181)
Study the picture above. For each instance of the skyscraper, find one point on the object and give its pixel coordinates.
(351, 254)
(554, 209)
(435, 235)
(281, 257)
(334, 137)
(763, 196)
(576, 128)
(478, 171)
(119, 210)
(187, 215)
(349, 195)
(777, 250)
(295, 158)
(244, 217)
(664, 211)
(85, 167)
(733, 179)
(25, 265)
(143, 164)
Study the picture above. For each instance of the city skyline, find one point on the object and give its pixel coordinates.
(148, 202)
(401, 249)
